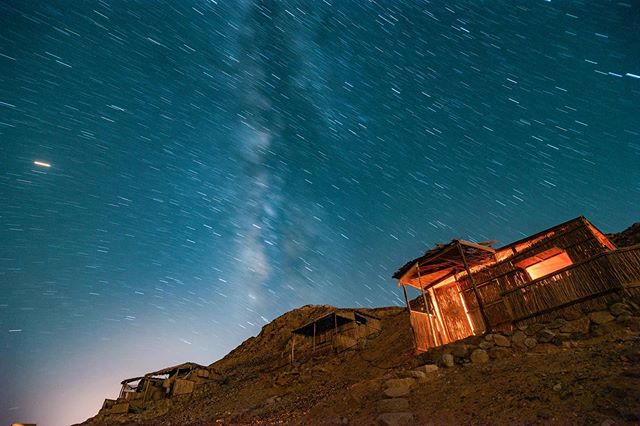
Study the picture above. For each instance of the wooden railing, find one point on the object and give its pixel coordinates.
(594, 277)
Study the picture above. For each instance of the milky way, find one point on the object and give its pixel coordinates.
(214, 164)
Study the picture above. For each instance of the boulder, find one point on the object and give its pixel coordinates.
(572, 314)
(545, 348)
(580, 325)
(556, 323)
(395, 388)
(499, 352)
(501, 340)
(395, 419)
(393, 405)
(619, 309)
(530, 342)
(601, 317)
(428, 368)
(489, 337)
(447, 360)
(534, 329)
(486, 345)
(518, 339)
(624, 319)
(363, 390)
(458, 350)
(412, 374)
(479, 356)
(545, 335)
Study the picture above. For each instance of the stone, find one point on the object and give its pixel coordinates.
(601, 317)
(557, 387)
(530, 342)
(501, 340)
(363, 390)
(395, 419)
(545, 335)
(486, 345)
(518, 339)
(395, 388)
(619, 309)
(393, 405)
(499, 352)
(572, 314)
(447, 360)
(557, 323)
(413, 374)
(534, 329)
(580, 325)
(545, 348)
(458, 350)
(624, 319)
(479, 356)
(428, 368)
(489, 337)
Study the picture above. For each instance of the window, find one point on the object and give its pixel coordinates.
(545, 263)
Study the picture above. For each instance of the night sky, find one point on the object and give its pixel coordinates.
(215, 164)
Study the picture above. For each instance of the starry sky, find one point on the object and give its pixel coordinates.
(213, 164)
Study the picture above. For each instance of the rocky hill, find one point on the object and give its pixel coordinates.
(628, 237)
(572, 370)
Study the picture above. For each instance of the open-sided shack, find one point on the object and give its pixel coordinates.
(176, 380)
(338, 330)
(468, 288)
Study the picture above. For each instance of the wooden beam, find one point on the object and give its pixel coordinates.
(478, 246)
(487, 324)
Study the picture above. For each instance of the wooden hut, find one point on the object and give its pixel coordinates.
(136, 391)
(468, 288)
(337, 331)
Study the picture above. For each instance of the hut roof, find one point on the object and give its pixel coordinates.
(168, 370)
(329, 321)
(445, 260)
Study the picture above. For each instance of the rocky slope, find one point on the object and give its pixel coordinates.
(628, 237)
(571, 371)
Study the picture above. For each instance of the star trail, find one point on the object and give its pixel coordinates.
(177, 174)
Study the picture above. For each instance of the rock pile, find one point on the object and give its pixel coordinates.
(536, 338)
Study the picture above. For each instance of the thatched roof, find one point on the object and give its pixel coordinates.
(443, 261)
(330, 320)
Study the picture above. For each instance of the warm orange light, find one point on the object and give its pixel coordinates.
(549, 265)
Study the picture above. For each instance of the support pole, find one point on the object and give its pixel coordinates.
(335, 332)
(406, 298)
(487, 324)
(314, 336)
(427, 305)
(293, 345)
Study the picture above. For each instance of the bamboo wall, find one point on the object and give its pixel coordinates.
(596, 277)
(576, 239)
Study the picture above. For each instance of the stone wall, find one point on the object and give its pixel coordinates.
(549, 336)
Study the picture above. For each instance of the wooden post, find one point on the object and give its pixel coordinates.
(314, 337)
(487, 324)
(426, 306)
(293, 345)
(335, 332)
(406, 298)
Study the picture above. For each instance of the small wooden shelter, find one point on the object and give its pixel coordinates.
(468, 288)
(338, 330)
(176, 380)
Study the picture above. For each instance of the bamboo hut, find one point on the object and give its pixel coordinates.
(176, 380)
(336, 331)
(469, 288)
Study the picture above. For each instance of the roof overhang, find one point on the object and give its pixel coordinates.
(443, 262)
